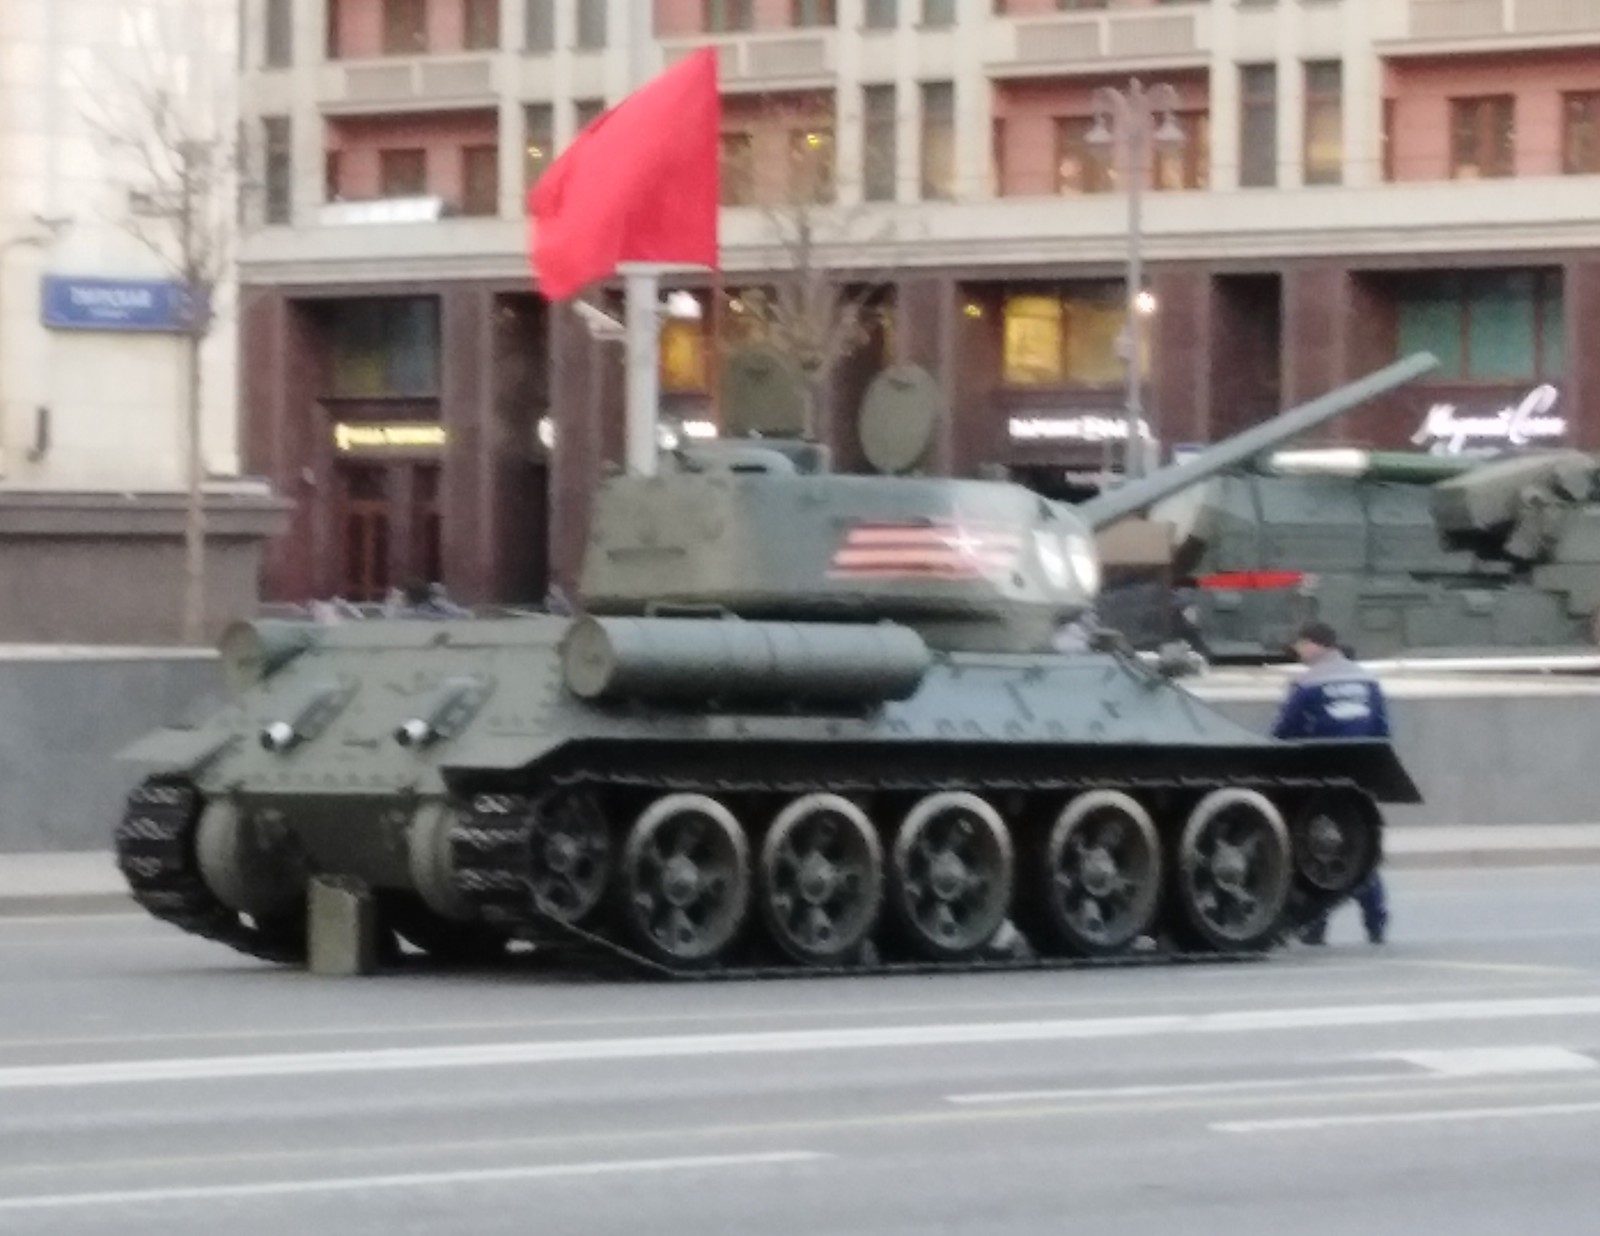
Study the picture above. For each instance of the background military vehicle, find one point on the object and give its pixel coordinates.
(801, 717)
(1400, 552)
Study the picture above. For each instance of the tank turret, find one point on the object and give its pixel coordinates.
(1521, 509)
(970, 565)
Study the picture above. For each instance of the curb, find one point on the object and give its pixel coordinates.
(106, 903)
(66, 905)
(1531, 856)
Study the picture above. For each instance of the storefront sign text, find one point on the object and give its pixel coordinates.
(1088, 427)
(1446, 432)
(379, 437)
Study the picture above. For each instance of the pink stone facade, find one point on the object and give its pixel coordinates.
(1418, 96)
(357, 144)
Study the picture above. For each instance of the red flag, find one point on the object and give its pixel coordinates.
(639, 184)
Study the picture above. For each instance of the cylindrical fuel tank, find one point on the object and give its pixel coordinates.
(730, 660)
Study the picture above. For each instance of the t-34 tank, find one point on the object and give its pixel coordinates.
(802, 719)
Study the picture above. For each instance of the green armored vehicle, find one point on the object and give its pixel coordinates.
(1402, 553)
(802, 720)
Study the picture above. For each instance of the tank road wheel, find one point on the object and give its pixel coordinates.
(821, 876)
(1102, 872)
(1337, 841)
(686, 880)
(950, 876)
(1234, 870)
(569, 855)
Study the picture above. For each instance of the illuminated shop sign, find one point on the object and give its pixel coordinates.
(379, 437)
(1087, 427)
(1532, 421)
(700, 430)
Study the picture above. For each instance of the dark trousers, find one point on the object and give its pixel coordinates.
(1374, 903)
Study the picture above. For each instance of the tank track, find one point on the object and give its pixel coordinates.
(489, 851)
(154, 843)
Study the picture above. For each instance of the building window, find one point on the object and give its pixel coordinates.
(1070, 339)
(1258, 125)
(811, 166)
(1480, 137)
(538, 140)
(811, 13)
(330, 29)
(738, 169)
(881, 14)
(480, 180)
(585, 112)
(721, 16)
(482, 20)
(277, 169)
(1486, 326)
(402, 173)
(878, 145)
(1324, 127)
(938, 14)
(685, 367)
(405, 27)
(384, 348)
(1187, 166)
(280, 34)
(938, 141)
(1580, 134)
(1388, 140)
(1081, 167)
(591, 24)
(332, 177)
(539, 17)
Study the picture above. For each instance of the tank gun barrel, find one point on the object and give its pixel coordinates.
(1350, 463)
(1119, 503)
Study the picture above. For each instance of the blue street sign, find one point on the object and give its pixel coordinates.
(73, 303)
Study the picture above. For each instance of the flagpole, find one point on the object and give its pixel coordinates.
(642, 282)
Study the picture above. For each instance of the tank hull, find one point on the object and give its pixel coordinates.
(689, 839)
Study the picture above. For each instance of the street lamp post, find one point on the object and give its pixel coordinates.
(1128, 121)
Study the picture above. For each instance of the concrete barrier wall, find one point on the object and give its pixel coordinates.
(1497, 755)
(62, 718)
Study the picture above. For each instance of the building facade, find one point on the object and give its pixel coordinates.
(1336, 183)
(93, 350)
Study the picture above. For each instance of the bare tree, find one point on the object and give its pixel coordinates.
(811, 313)
(163, 109)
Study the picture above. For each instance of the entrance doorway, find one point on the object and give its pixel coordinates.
(390, 527)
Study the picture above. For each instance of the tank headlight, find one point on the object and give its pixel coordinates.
(1052, 561)
(1085, 563)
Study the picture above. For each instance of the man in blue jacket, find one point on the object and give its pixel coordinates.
(1336, 698)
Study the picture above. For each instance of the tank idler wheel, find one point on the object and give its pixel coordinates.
(686, 880)
(1103, 874)
(1337, 841)
(950, 875)
(569, 855)
(1233, 871)
(821, 879)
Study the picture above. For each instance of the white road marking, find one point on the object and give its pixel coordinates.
(351, 1184)
(1494, 1061)
(1180, 1088)
(770, 1042)
(1295, 1124)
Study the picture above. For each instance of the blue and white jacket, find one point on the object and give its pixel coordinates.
(1334, 698)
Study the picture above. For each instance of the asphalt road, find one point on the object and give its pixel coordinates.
(1447, 1082)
